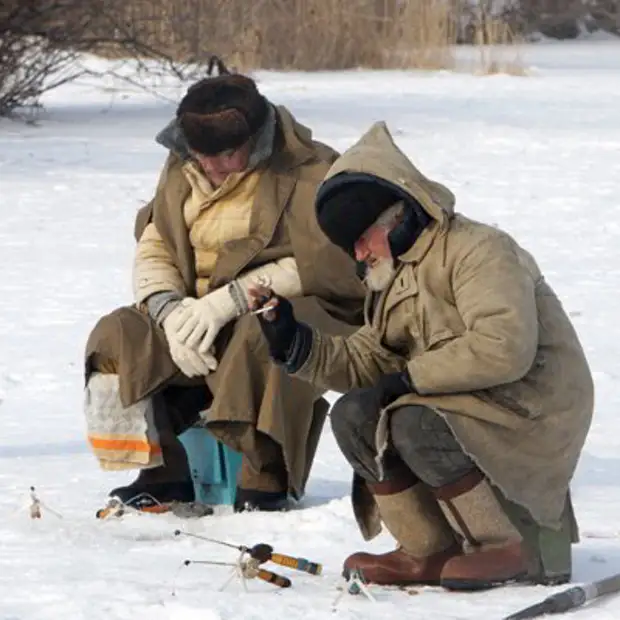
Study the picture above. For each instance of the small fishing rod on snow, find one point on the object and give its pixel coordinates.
(251, 559)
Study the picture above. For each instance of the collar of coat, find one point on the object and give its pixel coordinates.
(293, 145)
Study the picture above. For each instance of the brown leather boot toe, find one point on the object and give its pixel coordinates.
(399, 567)
(487, 568)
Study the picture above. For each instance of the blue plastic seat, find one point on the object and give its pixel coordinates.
(214, 467)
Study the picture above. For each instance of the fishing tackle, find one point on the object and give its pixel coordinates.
(355, 585)
(36, 506)
(249, 563)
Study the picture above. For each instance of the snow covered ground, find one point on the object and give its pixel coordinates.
(537, 155)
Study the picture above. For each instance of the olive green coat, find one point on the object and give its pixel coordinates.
(246, 387)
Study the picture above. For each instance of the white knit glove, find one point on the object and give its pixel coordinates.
(190, 362)
(204, 318)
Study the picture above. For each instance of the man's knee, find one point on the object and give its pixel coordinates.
(102, 344)
(407, 425)
(348, 414)
(113, 328)
(354, 420)
(425, 442)
(109, 335)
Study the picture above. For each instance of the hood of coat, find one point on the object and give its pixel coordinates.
(376, 157)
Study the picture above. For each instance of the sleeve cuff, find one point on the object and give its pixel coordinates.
(300, 348)
(160, 305)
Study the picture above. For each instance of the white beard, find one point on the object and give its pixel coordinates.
(379, 276)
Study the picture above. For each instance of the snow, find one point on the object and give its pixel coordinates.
(536, 155)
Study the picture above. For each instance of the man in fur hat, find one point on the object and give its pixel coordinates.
(467, 395)
(233, 207)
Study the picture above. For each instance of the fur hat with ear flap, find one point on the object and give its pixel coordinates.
(221, 113)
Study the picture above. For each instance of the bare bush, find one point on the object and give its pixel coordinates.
(30, 64)
(42, 42)
(604, 15)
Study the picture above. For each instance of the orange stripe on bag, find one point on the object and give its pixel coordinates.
(127, 445)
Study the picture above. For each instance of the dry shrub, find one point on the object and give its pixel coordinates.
(304, 35)
(497, 49)
(428, 33)
(492, 46)
(309, 35)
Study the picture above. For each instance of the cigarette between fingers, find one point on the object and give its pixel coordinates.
(263, 309)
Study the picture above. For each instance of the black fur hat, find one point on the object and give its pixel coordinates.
(350, 209)
(221, 113)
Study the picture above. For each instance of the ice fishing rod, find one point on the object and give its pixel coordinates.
(247, 569)
(264, 553)
(569, 599)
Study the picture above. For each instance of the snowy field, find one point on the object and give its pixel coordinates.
(537, 155)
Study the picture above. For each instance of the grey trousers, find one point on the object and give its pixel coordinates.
(421, 441)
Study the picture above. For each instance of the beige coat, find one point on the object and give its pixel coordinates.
(282, 222)
(247, 387)
(486, 341)
(213, 217)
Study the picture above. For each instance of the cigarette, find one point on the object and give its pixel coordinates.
(263, 310)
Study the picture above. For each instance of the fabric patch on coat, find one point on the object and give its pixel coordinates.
(121, 437)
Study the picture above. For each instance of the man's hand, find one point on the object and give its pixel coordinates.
(393, 386)
(202, 319)
(205, 317)
(191, 362)
(277, 320)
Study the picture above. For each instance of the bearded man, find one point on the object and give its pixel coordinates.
(467, 395)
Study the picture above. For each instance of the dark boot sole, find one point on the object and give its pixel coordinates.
(473, 586)
(283, 505)
(161, 492)
(476, 585)
(555, 580)
(249, 500)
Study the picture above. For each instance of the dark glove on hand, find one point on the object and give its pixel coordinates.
(393, 386)
(280, 327)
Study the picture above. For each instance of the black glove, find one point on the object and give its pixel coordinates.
(393, 386)
(279, 326)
